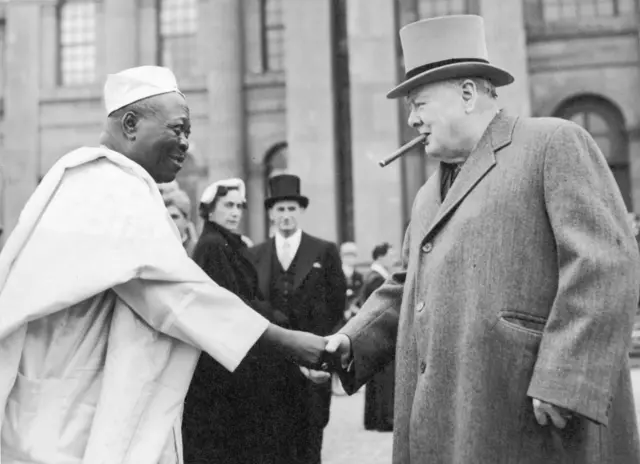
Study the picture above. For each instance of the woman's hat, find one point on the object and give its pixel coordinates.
(210, 192)
(285, 187)
(447, 47)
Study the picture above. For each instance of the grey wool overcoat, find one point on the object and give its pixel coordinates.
(522, 283)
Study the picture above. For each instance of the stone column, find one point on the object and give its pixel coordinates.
(310, 96)
(220, 44)
(121, 34)
(375, 126)
(20, 154)
(507, 44)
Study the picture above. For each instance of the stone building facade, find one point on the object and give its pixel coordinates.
(299, 86)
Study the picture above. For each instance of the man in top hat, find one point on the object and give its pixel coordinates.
(102, 313)
(510, 324)
(302, 276)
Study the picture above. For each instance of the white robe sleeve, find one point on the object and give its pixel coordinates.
(199, 313)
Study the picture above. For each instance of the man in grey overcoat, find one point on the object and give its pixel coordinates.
(511, 322)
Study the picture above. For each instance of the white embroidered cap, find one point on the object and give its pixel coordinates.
(210, 192)
(135, 84)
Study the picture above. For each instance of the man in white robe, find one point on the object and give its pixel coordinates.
(102, 313)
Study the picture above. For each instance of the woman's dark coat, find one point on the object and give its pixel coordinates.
(228, 417)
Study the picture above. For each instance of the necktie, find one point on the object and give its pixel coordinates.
(449, 173)
(286, 255)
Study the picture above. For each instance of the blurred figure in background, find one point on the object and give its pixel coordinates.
(179, 206)
(349, 256)
(378, 406)
(227, 417)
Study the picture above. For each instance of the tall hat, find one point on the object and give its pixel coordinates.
(285, 187)
(447, 47)
(135, 84)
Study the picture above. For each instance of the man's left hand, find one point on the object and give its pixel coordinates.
(545, 411)
(314, 375)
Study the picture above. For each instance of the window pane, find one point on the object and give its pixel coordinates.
(579, 118)
(626, 6)
(77, 26)
(597, 124)
(273, 35)
(573, 10)
(178, 28)
(178, 54)
(432, 8)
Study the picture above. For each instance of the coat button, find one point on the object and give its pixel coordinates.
(423, 366)
(427, 247)
(420, 306)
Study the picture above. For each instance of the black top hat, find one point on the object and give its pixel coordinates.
(285, 187)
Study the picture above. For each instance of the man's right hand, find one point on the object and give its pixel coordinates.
(339, 347)
(303, 348)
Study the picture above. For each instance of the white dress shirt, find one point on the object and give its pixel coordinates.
(286, 248)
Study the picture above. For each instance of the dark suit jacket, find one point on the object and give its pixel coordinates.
(319, 299)
(319, 285)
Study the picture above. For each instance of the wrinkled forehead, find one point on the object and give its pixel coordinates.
(172, 106)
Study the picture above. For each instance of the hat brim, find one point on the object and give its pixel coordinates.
(302, 201)
(497, 76)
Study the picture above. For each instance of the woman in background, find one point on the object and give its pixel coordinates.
(378, 406)
(227, 417)
(179, 206)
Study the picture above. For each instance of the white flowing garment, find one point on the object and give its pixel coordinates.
(102, 319)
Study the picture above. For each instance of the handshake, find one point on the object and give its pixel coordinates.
(317, 356)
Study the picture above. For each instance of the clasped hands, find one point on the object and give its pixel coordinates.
(336, 354)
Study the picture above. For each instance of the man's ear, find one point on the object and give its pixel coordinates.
(469, 95)
(129, 123)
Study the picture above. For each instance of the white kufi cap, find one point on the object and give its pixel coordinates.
(135, 84)
(210, 192)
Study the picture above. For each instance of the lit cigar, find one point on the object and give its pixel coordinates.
(402, 150)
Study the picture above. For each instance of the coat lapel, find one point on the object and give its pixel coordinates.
(305, 258)
(263, 266)
(479, 163)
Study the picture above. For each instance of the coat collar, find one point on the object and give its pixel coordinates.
(305, 258)
(481, 160)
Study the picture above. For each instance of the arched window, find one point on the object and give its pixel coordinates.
(431, 8)
(604, 121)
(574, 10)
(272, 35)
(178, 25)
(77, 42)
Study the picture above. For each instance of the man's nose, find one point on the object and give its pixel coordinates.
(184, 144)
(414, 120)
